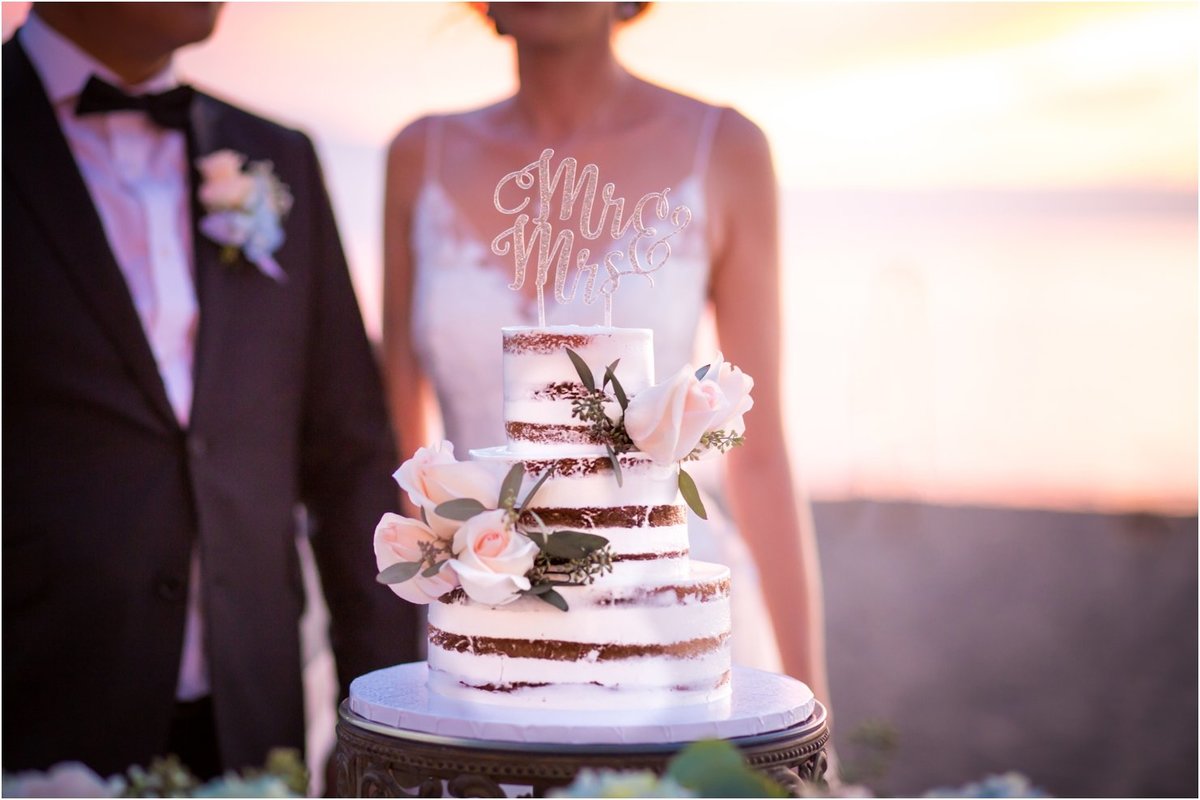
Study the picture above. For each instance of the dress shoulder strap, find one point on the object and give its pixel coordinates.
(704, 142)
(433, 149)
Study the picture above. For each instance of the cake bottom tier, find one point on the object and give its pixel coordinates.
(651, 644)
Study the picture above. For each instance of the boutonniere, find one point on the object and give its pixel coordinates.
(246, 205)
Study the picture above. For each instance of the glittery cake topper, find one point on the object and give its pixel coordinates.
(645, 253)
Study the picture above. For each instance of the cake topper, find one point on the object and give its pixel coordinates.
(645, 253)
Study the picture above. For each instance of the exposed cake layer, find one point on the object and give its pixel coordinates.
(660, 643)
(642, 518)
(541, 382)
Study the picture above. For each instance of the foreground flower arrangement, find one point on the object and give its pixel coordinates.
(475, 537)
(284, 775)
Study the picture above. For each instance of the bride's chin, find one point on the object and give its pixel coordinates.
(551, 24)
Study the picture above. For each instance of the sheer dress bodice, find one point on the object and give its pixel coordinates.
(461, 300)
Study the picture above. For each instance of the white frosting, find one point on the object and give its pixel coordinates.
(654, 632)
(642, 481)
(528, 372)
(650, 613)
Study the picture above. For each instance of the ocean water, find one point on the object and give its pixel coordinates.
(1032, 349)
(1014, 348)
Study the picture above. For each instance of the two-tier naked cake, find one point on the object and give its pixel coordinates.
(652, 632)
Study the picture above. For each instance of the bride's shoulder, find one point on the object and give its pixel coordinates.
(417, 133)
(729, 122)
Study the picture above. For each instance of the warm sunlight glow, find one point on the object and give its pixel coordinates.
(988, 213)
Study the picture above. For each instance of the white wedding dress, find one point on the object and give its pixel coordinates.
(461, 300)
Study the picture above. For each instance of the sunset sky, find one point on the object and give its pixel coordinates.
(999, 197)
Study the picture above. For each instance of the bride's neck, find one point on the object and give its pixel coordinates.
(564, 91)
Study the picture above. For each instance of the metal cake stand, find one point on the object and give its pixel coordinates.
(397, 739)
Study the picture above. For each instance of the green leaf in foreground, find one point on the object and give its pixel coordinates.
(585, 372)
(715, 768)
(691, 495)
(460, 509)
(399, 572)
(434, 569)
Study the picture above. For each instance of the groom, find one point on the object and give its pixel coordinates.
(169, 404)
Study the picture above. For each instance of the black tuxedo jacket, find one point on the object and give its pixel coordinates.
(104, 493)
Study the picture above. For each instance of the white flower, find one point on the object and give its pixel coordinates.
(246, 205)
(224, 185)
(667, 420)
(735, 388)
(399, 539)
(433, 476)
(491, 558)
(65, 779)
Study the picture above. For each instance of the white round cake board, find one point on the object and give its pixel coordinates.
(762, 702)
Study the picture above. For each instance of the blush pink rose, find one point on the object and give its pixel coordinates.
(491, 558)
(735, 388)
(223, 184)
(432, 476)
(667, 420)
(399, 539)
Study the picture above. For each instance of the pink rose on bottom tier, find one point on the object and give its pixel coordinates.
(491, 558)
(399, 539)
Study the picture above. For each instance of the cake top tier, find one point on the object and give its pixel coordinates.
(541, 382)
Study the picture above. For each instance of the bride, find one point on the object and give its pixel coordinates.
(446, 295)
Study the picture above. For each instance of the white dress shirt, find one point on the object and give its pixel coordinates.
(137, 175)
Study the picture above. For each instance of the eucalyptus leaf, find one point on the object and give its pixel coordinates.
(537, 537)
(460, 509)
(433, 570)
(715, 768)
(570, 545)
(555, 599)
(691, 495)
(539, 589)
(525, 504)
(610, 376)
(510, 486)
(585, 372)
(700, 373)
(616, 464)
(399, 572)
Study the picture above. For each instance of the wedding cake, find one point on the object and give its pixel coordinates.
(567, 583)
(556, 565)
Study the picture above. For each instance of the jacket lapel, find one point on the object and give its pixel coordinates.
(42, 169)
(207, 135)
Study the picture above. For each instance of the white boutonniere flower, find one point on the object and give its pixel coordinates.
(246, 205)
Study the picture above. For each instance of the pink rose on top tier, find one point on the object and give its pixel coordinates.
(667, 420)
(491, 558)
(735, 386)
(399, 539)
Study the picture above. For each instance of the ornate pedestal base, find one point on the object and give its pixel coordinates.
(373, 760)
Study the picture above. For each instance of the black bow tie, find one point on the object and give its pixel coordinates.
(168, 109)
